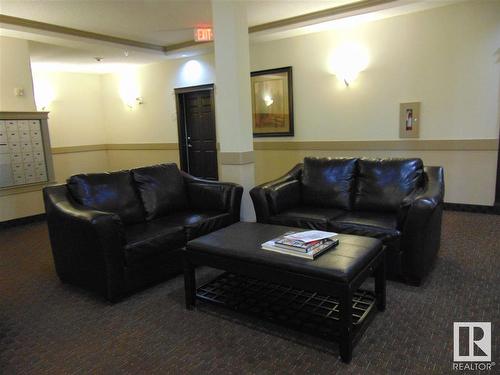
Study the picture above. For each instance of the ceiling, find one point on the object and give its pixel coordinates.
(160, 22)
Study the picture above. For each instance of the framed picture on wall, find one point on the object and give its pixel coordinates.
(272, 102)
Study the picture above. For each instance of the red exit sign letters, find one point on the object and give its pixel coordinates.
(203, 34)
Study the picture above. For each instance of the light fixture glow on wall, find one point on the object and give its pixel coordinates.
(129, 88)
(192, 71)
(44, 93)
(347, 61)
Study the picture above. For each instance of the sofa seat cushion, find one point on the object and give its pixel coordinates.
(306, 217)
(197, 223)
(110, 192)
(381, 225)
(149, 239)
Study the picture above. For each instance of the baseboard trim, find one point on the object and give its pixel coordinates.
(494, 210)
(21, 221)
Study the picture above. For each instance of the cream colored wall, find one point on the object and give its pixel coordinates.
(21, 205)
(87, 110)
(75, 119)
(126, 159)
(68, 164)
(76, 112)
(463, 169)
(446, 58)
(155, 121)
(15, 72)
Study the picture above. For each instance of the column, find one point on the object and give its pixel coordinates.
(232, 98)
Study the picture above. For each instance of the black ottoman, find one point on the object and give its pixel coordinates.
(329, 284)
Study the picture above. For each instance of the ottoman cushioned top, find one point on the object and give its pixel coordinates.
(241, 241)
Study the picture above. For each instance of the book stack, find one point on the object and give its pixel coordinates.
(309, 244)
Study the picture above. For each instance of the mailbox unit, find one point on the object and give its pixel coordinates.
(25, 154)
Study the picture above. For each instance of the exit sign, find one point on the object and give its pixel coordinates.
(203, 34)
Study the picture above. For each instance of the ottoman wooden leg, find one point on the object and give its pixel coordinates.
(345, 339)
(380, 283)
(189, 284)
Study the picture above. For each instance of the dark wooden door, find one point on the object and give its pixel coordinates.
(197, 138)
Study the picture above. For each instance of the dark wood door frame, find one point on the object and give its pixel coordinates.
(181, 123)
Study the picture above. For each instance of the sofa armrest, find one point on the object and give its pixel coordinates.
(208, 194)
(260, 193)
(87, 244)
(422, 226)
(283, 196)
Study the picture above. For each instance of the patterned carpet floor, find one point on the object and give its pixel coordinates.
(50, 328)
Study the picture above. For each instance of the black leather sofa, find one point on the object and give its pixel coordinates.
(398, 201)
(117, 232)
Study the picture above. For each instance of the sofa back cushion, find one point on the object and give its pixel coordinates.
(328, 182)
(110, 192)
(161, 188)
(382, 184)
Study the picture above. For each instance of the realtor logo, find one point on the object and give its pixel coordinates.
(472, 342)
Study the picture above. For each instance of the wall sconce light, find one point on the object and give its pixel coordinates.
(131, 104)
(129, 89)
(44, 94)
(192, 71)
(348, 61)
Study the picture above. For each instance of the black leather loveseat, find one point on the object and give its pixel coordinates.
(117, 232)
(396, 200)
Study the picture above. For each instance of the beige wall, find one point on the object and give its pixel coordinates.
(155, 121)
(463, 169)
(15, 72)
(76, 111)
(75, 119)
(21, 205)
(446, 58)
(87, 110)
(68, 164)
(126, 159)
